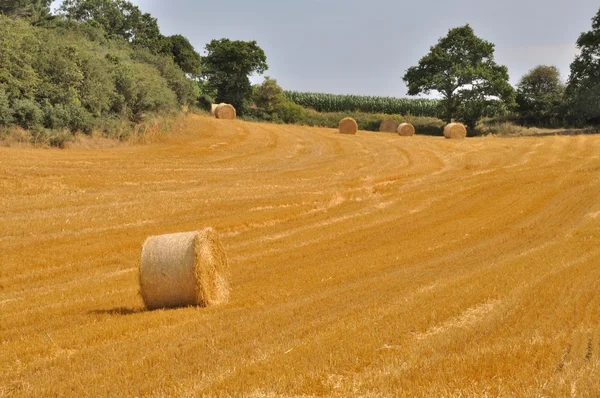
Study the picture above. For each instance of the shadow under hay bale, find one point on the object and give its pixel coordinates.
(388, 126)
(406, 130)
(348, 126)
(184, 269)
(225, 111)
(455, 131)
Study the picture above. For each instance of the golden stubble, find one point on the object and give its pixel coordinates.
(366, 265)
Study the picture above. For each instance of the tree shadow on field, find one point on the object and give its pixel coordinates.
(118, 311)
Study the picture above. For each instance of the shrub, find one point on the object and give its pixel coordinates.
(288, 112)
(6, 112)
(268, 96)
(27, 113)
(204, 102)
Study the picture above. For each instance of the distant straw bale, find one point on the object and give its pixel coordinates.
(348, 126)
(225, 111)
(406, 130)
(184, 269)
(455, 131)
(388, 126)
(213, 108)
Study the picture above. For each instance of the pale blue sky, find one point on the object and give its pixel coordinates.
(364, 47)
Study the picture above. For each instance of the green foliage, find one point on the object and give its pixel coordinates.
(461, 68)
(36, 12)
(59, 79)
(268, 96)
(27, 113)
(368, 104)
(6, 112)
(204, 102)
(584, 82)
(117, 18)
(291, 113)
(184, 54)
(540, 96)
(185, 89)
(227, 67)
(140, 89)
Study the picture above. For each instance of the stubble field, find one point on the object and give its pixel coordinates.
(368, 265)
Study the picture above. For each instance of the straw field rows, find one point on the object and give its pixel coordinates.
(366, 265)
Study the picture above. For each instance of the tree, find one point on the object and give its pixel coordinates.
(117, 18)
(540, 95)
(36, 11)
(268, 96)
(227, 67)
(583, 87)
(462, 69)
(183, 54)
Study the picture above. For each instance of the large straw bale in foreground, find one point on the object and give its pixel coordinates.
(348, 126)
(455, 131)
(406, 130)
(225, 111)
(388, 126)
(184, 269)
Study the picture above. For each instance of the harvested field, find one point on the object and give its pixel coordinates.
(360, 265)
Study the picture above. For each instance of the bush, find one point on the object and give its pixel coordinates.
(27, 113)
(204, 102)
(268, 96)
(290, 113)
(55, 116)
(72, 77)
(6, 112)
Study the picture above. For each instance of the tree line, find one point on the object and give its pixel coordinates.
(461, 68)
(99, 62)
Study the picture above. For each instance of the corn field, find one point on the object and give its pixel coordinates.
(369, 104)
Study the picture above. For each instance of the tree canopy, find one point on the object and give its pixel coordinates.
(540, 95)
(584, 82)
(227, 67)
(117, 18)
(183, 54)
(36, 11)
(462, 69)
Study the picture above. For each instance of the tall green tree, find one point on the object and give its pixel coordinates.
(462, 69)
(227, 67)
(183, 53)
(268, 96)
(117, 18)
(540, 95)
(583, 87)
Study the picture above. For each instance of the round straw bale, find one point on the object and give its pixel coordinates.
(388, 126)
(225, 111)
(213, 108)
(406, 130)
(455, 131)
(184, 269)
(348, 126)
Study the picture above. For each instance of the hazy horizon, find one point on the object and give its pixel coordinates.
(352, 47)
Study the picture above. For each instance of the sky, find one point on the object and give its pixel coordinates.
(365, 47)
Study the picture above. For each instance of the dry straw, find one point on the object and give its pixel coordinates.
(406, 130)
(348, 126)
(225, 111)
(213, 108)
(388, 126)
(184, 269)
(455, 131)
